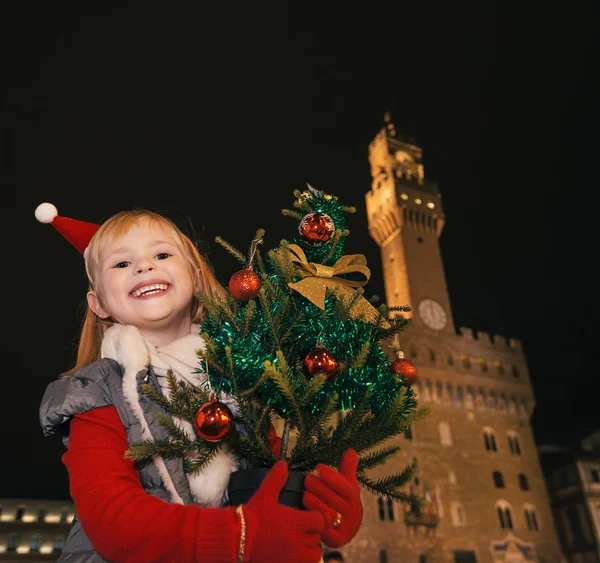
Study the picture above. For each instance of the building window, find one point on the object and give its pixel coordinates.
(20, 513)
(515, 372)
(464, 557)
(594, 476)
(413, 352)
(514, 444)
(512, 405)
(469, 397)
(59, 543)
(445, 434)
(390, 507)
(504, 513)
(408, 433)
(13, 543)
(466, 362)
(427, 391)
(483, 365)
(498, 479)
(383, 557)
(64, 514)
(531, 519)
(489, 440)
(422, 558)
(574, 524)
(491, 400)
(36, 543)
(499, 367)
(480, 399)
(450, 360)
(503, 402)
(458, 398)
(42, 515)
(381, 506)
(437, 396)
(457, 514)
(523, 482)
(449, 393)
(432, 356)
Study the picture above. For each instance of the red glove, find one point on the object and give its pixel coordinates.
(283, 534)
(337, 497)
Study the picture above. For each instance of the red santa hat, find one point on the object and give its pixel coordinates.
(78, 233)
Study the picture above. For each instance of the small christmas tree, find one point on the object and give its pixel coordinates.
(296, 339)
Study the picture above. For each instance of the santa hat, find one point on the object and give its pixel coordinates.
(78, 233)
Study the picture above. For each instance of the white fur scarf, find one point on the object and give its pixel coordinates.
(126, 345)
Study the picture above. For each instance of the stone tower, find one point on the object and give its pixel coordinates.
(478, 461)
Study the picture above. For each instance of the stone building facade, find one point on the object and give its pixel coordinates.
(478, 461)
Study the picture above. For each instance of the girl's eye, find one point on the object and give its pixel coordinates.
(121, 265)
(163, 256)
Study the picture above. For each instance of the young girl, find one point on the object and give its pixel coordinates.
(142, 320)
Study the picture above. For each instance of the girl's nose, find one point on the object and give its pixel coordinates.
(145, 266)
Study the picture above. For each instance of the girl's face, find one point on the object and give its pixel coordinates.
(144, 279)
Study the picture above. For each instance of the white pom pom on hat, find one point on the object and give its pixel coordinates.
(78, 233)
(45, 212)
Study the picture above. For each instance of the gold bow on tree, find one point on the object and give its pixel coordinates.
(316, 278)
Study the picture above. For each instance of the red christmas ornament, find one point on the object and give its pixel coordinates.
(320, 360)
(213, 421)
(405, 367)
(316, 228)
(244, 285)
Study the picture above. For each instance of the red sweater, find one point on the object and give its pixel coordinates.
(126, 524)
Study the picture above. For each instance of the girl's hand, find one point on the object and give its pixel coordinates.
(336, 495)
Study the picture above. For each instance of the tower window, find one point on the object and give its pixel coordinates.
(42, 515)
(523, 482)
(420, 240)
(531, 519)
(513, 444)
(483, 365)
(594, 476)
(499, 367)
(504, 513)
(383, 556)
(466, 362)
(390, 507)
(498, 480)
(20, 513)
(431, 355)
(515, 372)
(381, 506)
(489, 440)
(408, 433)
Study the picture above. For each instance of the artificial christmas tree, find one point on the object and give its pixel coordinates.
(302, 345)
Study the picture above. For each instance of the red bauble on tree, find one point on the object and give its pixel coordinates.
(316, 228)
(406, 368)
(320, 360)
(213, 421)
(244, 285)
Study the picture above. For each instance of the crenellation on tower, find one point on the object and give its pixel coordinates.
(500, 341)
(466, 333)
(515, 344)
(484, 337)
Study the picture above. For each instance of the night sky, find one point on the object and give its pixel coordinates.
(216, 117)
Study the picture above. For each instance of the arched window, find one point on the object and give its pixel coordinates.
(42, 514)
(503, 402)
(466, 362)
(445, 434)
(512, 405)
(64, 514)
(390, 508)
(427, 391)
(514, 444)
(499, 367)
(381, 506)
(13, 543)
(531, 518)
(437, 396)
(469, 397)
(449, 397)
(20, 513)
(489, 439)
(458, 397)
(523, 482)
(383, 556)
(483, 365)
(457, 514)
(480, 399)
(504, 513)
(36, 543)
(59, 543)
(498, 479)
(491, 400)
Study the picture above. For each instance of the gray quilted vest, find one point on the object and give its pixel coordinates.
(100, 385)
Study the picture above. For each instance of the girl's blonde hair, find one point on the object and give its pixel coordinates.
(92, 332)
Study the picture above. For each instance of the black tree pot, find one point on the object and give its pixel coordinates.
(245, 482)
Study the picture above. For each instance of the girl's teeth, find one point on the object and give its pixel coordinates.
(149, 289)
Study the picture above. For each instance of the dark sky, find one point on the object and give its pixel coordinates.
(215, 117)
